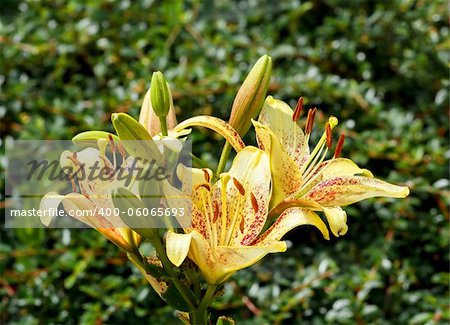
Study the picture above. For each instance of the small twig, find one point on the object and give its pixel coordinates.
(246, 300)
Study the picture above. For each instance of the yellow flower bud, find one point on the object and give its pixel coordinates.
(251, 95)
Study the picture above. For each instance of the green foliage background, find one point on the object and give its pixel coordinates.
(380, 66)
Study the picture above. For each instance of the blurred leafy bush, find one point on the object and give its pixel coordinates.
(381, 66)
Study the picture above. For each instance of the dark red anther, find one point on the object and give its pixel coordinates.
(298, 109)
(239, 186)
(329, 135)
(215, 211)
(241, 224)
(206, 175)
(111, 143)
(206, 186)
(339, 145)
(310, 120)
(254, 202)
(121, 149)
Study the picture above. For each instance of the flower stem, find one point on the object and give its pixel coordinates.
(162, 121)
(223, 158)
(200, 315)
(184, 291)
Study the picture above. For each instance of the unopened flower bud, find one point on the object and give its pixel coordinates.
(159, 94)
(150, 121)
(251, 95)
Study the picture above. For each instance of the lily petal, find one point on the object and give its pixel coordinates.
(290, 219)
(277, 115)
(114, 230)
(239, 257)
(337, 219)
(192, 177)
(216, 266)
(341, 167)
(177, 247)
(350, 189)
(180, 200)
(217, 125)
(286, 176)
(252, 170)
(49, 201)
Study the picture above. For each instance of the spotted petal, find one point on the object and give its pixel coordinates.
(277, 115)
(215, 124)
(218, 264)
(286, 176)
(250, 169)
(346, 190)
(290, 219)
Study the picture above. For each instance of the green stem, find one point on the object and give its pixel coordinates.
(200, 315)
(223, 158)
(162, 121)
(184, 291)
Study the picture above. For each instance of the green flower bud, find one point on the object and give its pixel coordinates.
(250, 97)
(150, 121)
(159, 94)
(91, 137)
(142, 145)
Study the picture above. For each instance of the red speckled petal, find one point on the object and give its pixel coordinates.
(251, 169)
(346, 190)
(277, 115)
(286, 176)
(217, 125)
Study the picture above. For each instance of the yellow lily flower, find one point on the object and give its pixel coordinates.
(227, 217)
(94, 197)
(304, 180)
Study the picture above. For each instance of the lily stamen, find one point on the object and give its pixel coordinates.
(208, 218)
(339, 146)
(332, 122)
(241, 200)
(298, 110)
(224, 178)
(122, 150)
(254, 203)
(213, 224)
(113, 149)
(329, 135)
(239, 186)
(310, 120)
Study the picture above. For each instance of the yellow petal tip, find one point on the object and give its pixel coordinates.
(406, 191)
